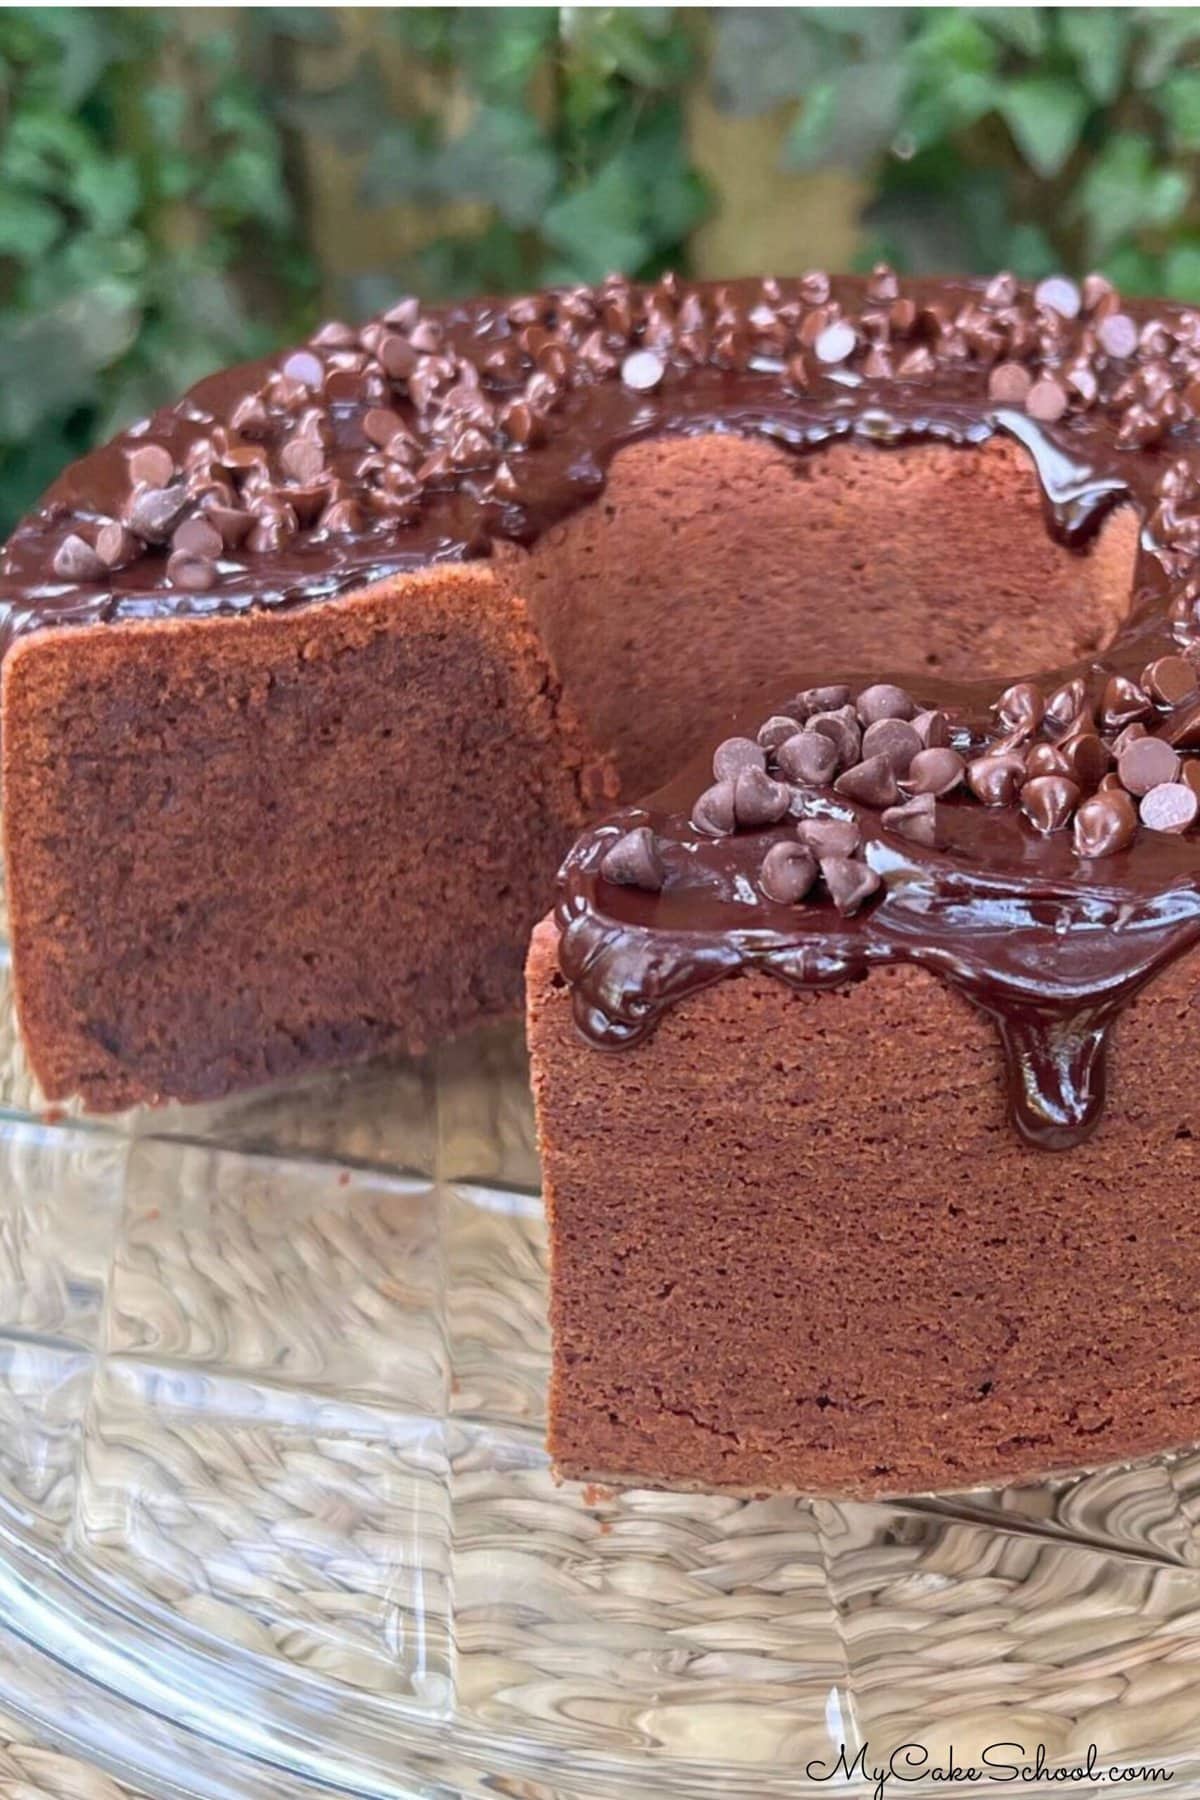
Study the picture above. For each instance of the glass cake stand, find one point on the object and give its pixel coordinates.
(275, 1516)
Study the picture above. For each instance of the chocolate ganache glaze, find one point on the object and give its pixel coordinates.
(1046, 869)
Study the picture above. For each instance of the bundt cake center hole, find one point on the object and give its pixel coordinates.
(716, 566)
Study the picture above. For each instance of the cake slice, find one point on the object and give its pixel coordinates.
(863, 1067)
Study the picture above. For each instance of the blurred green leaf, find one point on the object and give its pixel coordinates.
(1179, 98)
(1046, 116)
(28, 227)
(1125, 190)
(1181, 271)
(1098, 39)
(501, 158)
(593, 230)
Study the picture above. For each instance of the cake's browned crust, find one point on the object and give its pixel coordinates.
(796, 1242)
(243, 847)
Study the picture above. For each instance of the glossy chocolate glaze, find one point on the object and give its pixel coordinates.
(1049, 944)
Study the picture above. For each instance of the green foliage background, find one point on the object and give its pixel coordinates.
(155, 216)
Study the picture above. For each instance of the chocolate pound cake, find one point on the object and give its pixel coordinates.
(862, 1050)
(310, 680)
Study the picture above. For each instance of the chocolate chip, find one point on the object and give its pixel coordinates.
(396, 356)
(380, 425)
(151, 464)
(75, 560)
(154, 512)
(713, 812)
(1190, 774)
(836, 342)
(1123, 702)
(757, 800)
(1009, 384)
(334, 335)
(116, 545)
(1170, 807)
(824, 699)
(915, 819)
(893, 738)
(1049, 800)
(1046, 759)
(808, 757)
(342, 517)
(198, 536)
(1022, 706)
(996, 779)
(849, 883)
(1104, 825)
(934, 771)
(735, 754)
(788, 872)
(249, 417)
(187, 570)
(1170, 679)
(1086, 756)
(1146, 763)
(1128, 736)
(634, 861)
(642, 370)
(1046, 401)
(883, 701)
(1060, 295)
(1183, 727)
(233, 524)
(933, 729)
(303, 367)
(1065, 705)
(776, 731)
(871, 783)
(1117, 335)
(830, 837)
(841, 728)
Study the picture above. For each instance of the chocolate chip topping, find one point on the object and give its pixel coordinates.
(1049, 800)
(841, 728)
(642, 370)
(789, 871)
(915, 819)
(713, 812)
(1105, 825)
(757, 800)
(884, 701)
(75, 560)
(808, 757)
(1170, 807)
(849, 882)
(634, 861)
(735, 754)
(153, 465)
(1009, 384)
(1146, 763)
(894, 739)
(776, 731)
(996, 779)
(871, 782)
(935, 771)
(1170, 679)
(830, 837)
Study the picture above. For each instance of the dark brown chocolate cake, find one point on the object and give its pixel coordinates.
(311, 679)
(844, 1195)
